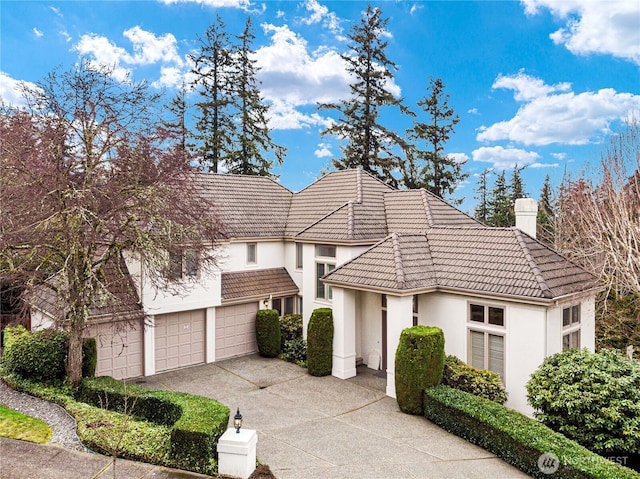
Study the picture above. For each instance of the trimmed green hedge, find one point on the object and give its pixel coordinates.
(42, 354)
(268, 332)
(196, 422)
(479, 382)
(320, 342)
(514, 437)
(418, 365)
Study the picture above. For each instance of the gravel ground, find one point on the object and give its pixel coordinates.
(62, 424)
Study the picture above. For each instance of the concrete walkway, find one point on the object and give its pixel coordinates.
(329, 428)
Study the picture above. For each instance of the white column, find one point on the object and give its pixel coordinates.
(150, 345)
(399, 317)
(237, 452)
(210, 335)
(344, 333)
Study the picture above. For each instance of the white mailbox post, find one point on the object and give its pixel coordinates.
(237, 452)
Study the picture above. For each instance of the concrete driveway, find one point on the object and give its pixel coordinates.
(329, 428)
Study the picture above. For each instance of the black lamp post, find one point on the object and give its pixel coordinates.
(237, 421)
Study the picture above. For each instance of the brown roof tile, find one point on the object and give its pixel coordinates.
(257, 283)
(502, 261)
(249, 206)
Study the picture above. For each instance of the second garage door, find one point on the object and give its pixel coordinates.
(180, 339)
(236, 330)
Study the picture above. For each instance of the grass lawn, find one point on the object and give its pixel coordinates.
(16, 425)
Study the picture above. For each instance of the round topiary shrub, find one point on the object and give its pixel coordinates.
(479, 382)
(320, 342)
(268, 332)
(592, 398)
(419, 364)
(40, 355)
(290, 328)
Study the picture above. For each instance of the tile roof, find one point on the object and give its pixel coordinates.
(249, 206)
(333, 192)
(502, 261)
(118, 296)
(257, 283)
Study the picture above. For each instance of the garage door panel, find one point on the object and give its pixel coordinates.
(120, 349)
(235, 330)
(180, 339)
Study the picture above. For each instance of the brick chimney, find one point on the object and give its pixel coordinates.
(527, 215)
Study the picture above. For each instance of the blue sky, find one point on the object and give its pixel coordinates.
(538, 83)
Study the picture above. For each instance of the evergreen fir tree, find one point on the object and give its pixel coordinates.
(500, 207)
(546, 213)
(481, 212)
(215, 125)
(516, 190)
(176, 126)
(252, 138)
(438, 173)
(370, 145)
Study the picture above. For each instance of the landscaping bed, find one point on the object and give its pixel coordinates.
(516, 438)
(158, 427)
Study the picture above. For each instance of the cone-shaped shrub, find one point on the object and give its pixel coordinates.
(268, 332)
(419, 364)
(320, 342)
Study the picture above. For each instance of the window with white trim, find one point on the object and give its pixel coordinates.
(325, 263)
(252, 253)
(299, 255)
(571, 327)
(487, 337)
(415, 309)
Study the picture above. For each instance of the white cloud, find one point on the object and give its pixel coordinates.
(11, 90)
(553, 114)
(147, 49)
(323, 151)
(527, 87)
(504, 158)
(459, 157)
(473, 111)
(602, 27)
(415, 7)
(543, 165)
(285, 116)
(37, 32)
(243, 4)
(292, 74)
(56, 11)
(320, 13)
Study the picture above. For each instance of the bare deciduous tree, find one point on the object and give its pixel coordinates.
(599, 214)
(86, 174)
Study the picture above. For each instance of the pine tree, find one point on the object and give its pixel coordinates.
(500, 208)
(176, 126)
(253, 137)
(516, 190)
(438, 173)
(370, 145)
(546, 213)
(215, 124)
(481, 212)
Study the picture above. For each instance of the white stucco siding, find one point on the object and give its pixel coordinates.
(40, 320)
(525, 344)
(269, 254)
(449, 313)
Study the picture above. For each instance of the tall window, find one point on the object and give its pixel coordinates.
(571, 327)
(325, 262)
(252, 254)
(487, 337)
(299, 255)
(183, 264)
(415, 309)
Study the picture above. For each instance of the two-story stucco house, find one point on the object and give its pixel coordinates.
(383, 259)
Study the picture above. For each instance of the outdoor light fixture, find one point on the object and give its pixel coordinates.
(237, 421)
(265, 302)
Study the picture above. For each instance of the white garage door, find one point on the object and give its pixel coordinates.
(120, 349)
(180, 339)
(236, 330)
